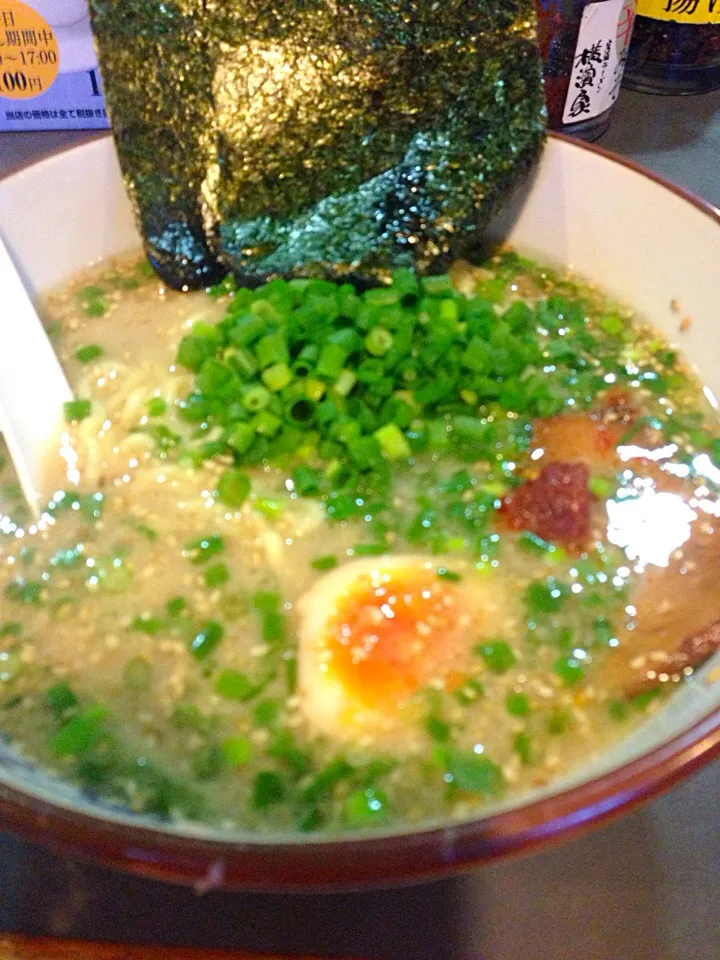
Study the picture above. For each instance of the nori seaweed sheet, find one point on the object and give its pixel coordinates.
(314, 138)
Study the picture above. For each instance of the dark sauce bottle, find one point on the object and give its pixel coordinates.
(675, 47)
(584, 47)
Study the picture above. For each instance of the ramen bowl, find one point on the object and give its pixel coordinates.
(641, 240)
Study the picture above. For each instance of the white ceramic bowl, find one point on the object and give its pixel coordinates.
(637, 237)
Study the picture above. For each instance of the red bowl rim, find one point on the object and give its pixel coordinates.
(370, 861)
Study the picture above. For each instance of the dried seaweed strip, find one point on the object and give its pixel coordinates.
(158, 87)
(314, 138)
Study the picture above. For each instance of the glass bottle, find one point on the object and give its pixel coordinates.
(584, 46)
(675, 48)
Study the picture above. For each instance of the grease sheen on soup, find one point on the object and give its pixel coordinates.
(318, 559)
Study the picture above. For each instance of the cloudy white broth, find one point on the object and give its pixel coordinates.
(321, 559)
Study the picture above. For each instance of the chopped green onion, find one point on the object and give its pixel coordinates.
(273, 627)
(25, 591)
(60, 698)
(522, 746)
(95, 308)
(241, 437)
(269, 507)
(238, 751)
(272, 349)
(534, 544)
(233, 488)
(277, 377)
(517, 704)
(266, 601)
(619, 710)
(268, 790)
(437, 729)
(545, 596)
(345, 383)
(209, 762)
(88, 353)
(256, 397)
(558, 722)
(79, 733)
(570, 670)
(76, 410)
(266, 713)
(437, 286)
(156, 407)
(331, 362)
(328, 562)
(498, 655)
(266, 424)
(90, 292)
(206, 640)
(601, 487)
(201, 550)
(366, 808)
(473, 772)
(146, 623)
(469, 692)
(378, 342)
(233, 685)
(393, 442)
(176, 606)
(369, 549)
(216, 575)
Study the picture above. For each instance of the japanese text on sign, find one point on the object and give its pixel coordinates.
(600, 57)
(681, 11)
(29, 55)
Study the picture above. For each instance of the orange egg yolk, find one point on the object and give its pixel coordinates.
(392, 634)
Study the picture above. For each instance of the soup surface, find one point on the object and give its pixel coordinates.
(321, 559)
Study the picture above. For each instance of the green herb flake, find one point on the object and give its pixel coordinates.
(206, 640)
(571, 670)
(80, 732)
(60, 698)
(522, 746)
(545, 596)
(238, 751)
(497, 654)
(156, 407)
(77, 410)
(176, 606)
(88, 353)
(216, 575)
(204, 548)
(268, 790)
(517, 704)
(473, 772)
(366, 808)
(233, 489)
(146, 623)
(267, 712)
(234, 685)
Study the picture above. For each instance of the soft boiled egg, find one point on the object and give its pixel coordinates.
(374, 632)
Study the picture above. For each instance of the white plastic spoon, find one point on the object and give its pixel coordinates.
(33, 386)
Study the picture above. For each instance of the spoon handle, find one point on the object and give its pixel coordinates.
(33, 386)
